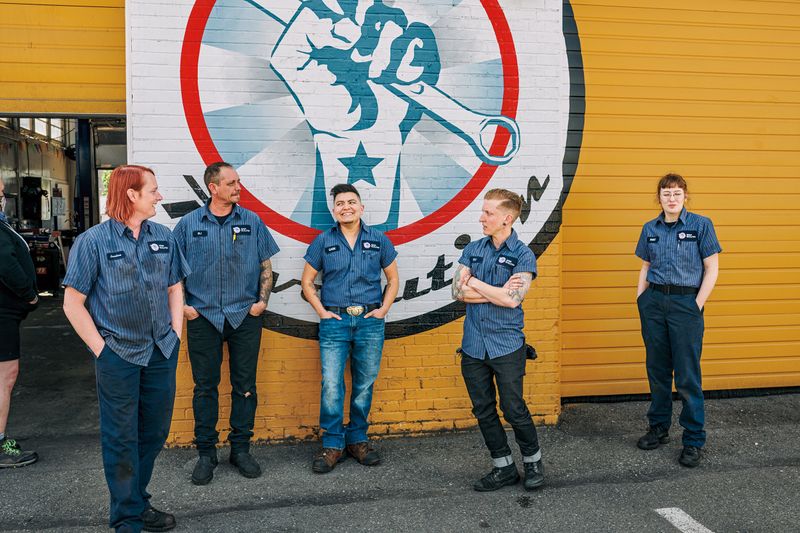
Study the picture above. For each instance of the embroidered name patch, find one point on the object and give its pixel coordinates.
(652, 239)
(475, 259)
(200, 233)
(687, 235)
(507, 261)
(371, 245)
(331, 249)
(241, 231)
(113, 256)
(158, 247)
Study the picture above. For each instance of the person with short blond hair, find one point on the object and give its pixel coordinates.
(125, 300)
(492, 278)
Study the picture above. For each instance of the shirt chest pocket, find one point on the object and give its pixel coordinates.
(371, 254)
(157, 260)
(653, 251)
(119, 273)
(688, 241)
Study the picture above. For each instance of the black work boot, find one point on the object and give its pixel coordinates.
(248, 467)
(534, 475)
(690, 456)
(155, 520)
(497, 478)
(654, 437)
(203, 471)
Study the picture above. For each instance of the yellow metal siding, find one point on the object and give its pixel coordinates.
(64, 58)
(710, 90)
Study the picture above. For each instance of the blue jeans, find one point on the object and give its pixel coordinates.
(672, 329)
(135, 415)
(361, 340)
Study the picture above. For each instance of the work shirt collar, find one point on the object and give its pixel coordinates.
(122, 230)
(509, 243)
(681, 217)
(208, 215)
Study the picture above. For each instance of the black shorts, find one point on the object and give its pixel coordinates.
(9, 336)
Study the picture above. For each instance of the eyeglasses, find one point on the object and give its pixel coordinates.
(667, 195)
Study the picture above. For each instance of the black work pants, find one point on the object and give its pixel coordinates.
(486, 377)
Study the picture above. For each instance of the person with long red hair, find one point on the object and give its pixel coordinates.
(124, 298)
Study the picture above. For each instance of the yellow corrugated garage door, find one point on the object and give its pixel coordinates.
(710, 90)
(62, 58)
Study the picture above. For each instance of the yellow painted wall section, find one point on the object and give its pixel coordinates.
(710, 90)
(419, 388)
(62, 58)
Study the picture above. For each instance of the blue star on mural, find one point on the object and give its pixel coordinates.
(360, 166)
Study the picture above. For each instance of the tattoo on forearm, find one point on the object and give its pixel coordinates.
(265, 283)
(458, 288)
(519, 294)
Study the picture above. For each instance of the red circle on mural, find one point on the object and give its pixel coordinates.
(193, 110)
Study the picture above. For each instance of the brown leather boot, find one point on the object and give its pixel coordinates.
(326, 459)
(364, 453)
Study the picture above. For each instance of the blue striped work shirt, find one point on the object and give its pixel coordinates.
(125, 282)
(351, 276)
(676, 253)
(489, 328)
(226, 262)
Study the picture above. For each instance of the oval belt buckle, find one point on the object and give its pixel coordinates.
(355, 310)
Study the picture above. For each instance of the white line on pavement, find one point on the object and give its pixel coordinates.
(678, 518)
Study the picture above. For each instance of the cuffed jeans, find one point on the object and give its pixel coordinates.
(361, 340)
(672, 329)
(508, 372)
(205, 354)
(135, 415)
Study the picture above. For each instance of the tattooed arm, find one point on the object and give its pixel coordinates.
(509, 295)
(264, 289)
(460, 290)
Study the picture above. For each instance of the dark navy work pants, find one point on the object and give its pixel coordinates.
(135, 415)
(672, 329)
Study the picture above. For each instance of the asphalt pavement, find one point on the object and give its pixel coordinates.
(596, 478)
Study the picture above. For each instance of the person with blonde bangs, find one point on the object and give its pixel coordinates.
(124, 298)
(680, 264)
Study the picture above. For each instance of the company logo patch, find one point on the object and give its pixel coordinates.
(687, 235)
(158, 247)
(372, 245)
(242, 230)
(507, 261)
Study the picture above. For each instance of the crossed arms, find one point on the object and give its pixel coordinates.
(469, 289)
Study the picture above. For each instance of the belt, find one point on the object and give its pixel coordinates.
(673, 289)
(352, 310)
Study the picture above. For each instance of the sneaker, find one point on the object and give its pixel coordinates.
(497, 478)
(248, 467)
(654, 437)
(326, 460)
(534, 475)
(364, 453)
(12, 456)
(203, 471)
(155, 520)
(690, 456)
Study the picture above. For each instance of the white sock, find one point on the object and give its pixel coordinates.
(532, 458)
(501, 462)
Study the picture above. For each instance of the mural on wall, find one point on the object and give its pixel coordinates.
(423, 105)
